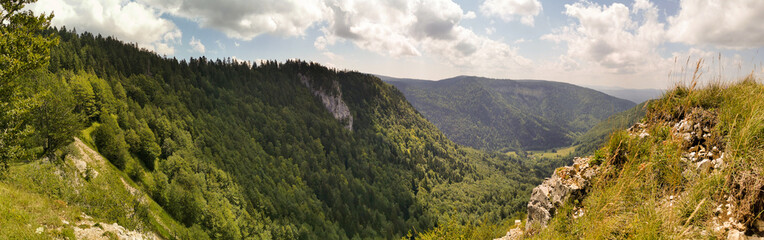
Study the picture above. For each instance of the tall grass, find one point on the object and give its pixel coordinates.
(645, 192)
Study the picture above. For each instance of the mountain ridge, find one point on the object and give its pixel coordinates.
(503, 115)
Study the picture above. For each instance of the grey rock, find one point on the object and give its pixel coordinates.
(734, 234)
(704, 166)
(513, 234)
(333, 103)
(566, 182)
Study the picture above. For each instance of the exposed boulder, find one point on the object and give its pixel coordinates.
(566, 182)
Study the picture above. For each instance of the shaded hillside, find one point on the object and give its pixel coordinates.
(501, 115)
(274, 151)
(600, 133)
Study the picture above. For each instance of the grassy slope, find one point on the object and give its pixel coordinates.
(631, 198)
(506, 114)
(23, 212)
(42, 194)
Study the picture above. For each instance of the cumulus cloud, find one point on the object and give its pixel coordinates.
(610, 37)
(196, 45)
(416, 28)
(126, 20)
(397, 28)
(738, 25)
(246, 19)
(509, 10)
(469, 15)
(490, 30)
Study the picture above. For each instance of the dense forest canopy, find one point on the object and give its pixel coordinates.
(247, 151)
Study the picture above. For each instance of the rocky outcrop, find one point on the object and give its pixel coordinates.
(566, 182)
(736, 216)
(88, 229)
(513, 234)
(332, 102)
(704, 149)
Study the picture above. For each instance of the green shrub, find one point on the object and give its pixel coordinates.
(68, 233)
(110, 142)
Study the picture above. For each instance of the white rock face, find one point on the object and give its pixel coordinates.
(333, 103)
(566, 182)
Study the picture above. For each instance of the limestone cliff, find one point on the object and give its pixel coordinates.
(333, 102)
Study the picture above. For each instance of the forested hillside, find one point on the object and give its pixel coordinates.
(598, 135)
(504, 115)
(231, 150)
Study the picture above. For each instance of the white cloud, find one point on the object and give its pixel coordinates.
(722, 23)
(490, 30)
(509, 10)
(129, 21)
(332, 56)
(246, 19)
(469, 15)
(196, 45)
(609, 37)
(220, 44)
(429, 28)
(477, 54)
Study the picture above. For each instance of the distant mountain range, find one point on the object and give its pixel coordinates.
(504, 115)
(634, 95)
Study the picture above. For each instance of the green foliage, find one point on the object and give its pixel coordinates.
(197, 193)
(84, 95)
(600, 133)
(238, 151)
(454, 230)
(15, 129)
(54, 119)
(143, 145)
(22, 49)
(23, 212)
(110, 141)
(504, 115)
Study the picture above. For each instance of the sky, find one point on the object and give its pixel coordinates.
(620, 44)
